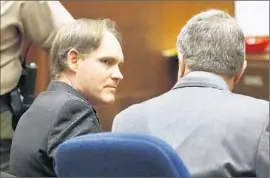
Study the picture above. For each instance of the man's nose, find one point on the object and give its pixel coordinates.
(117, 74)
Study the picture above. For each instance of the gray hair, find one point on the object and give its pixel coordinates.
(84, 35)
(212, 41)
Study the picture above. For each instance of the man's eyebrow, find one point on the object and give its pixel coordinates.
(111, 59)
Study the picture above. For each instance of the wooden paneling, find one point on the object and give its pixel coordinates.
(255, 81)
(148, 27)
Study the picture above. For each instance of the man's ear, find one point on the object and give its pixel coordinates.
(240, 74)
(72, 59)
(181, 65)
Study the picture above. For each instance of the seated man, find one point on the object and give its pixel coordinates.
(86, 55)
(216, 132)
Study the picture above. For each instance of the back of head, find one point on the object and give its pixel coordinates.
(84, 35)
(212, 41)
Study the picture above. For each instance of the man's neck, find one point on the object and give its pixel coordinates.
(228, 80)
(68, 79)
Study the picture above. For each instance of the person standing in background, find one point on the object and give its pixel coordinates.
(37, 21)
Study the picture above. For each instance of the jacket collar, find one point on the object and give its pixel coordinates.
(62, 86)
(202, 79)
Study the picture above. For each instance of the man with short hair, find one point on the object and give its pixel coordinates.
(86, 57)
(217, 133)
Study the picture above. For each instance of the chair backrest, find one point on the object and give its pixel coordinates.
(174, 157)
(117, 155)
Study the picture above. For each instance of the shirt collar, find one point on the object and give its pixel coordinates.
(202, 79)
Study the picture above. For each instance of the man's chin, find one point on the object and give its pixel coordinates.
(111, 101)
(107, 101)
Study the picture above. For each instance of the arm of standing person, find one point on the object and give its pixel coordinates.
(41, 19)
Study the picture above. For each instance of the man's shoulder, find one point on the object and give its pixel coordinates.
(130, 110)
(248, 101)
(244, 111)
(243, 102)
(132, 118)
(58, 97)
(55, 104)
(139, 110)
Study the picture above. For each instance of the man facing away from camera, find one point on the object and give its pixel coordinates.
(86, 56)
(217, 133)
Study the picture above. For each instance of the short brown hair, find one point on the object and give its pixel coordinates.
(84, 35)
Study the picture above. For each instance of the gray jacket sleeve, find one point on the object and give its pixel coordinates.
(262, 162)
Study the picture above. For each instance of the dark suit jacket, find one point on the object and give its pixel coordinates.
(216, 132)
(55, 116)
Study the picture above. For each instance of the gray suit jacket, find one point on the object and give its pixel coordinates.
(215, 132)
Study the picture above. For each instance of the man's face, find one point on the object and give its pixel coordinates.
(98, 75)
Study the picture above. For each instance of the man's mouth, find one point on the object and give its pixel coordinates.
(111, 88)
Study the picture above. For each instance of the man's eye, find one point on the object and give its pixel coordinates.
(107, 62)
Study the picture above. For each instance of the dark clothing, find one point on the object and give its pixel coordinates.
(5, 145)
(56, 115)
(4, 103)
(6, 133)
